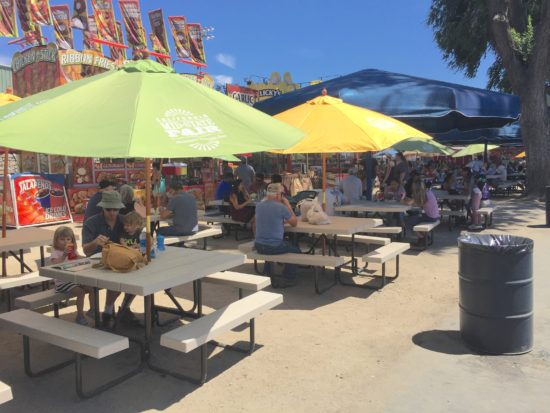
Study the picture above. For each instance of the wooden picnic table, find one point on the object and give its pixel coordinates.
(373, 206)
(445, 196)
(338, 226)
(18, 240)
(171, 268)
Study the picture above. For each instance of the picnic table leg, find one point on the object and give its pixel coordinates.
(204, 350)
(21, 262)
(148, 320)
(179, 310)
(4, 269)
(331, 284)
(96, 307)
(27, 361)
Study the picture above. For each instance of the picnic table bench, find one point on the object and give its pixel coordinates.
(200, 332)
(42, 299)
(5, 393)
(380, 256)
(452, 214)
(394, 232)
(428, 229)
(65, 334)
(244, 282)
(228, 223)
(9, 283)
(314, 261)
(203, 234)
(487, 214)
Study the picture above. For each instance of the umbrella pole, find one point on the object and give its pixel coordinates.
(148, 208)
(323, 178)
(4, 193)
(324, 188)
(4, 205)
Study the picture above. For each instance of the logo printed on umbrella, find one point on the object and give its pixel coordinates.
(198, 131)
(22, 109)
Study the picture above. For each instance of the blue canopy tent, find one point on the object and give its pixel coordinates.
(428, 105)
(507, 135)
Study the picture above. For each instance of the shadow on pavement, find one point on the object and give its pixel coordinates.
(442, 341)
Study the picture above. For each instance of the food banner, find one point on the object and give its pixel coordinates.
(39, 199)
(80, 15)
(10, 211)
(8, 26)
(105, 19)
(34, 36)
(242, 94)
(275, 87)
(78, 198)
(40, 12)
(35, 70)
(58, 164)
(25, 19)
(180, 36)
(195, 41)
(158, 37)
(131, 17)
(90, 34)
(62, 27)
(118, 54)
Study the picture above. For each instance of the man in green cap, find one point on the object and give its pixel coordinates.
(96, 232)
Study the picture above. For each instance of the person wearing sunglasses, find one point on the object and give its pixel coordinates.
(97, 231)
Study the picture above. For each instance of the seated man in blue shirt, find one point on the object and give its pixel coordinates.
(271, 215)
(96, 232)
(224, 190)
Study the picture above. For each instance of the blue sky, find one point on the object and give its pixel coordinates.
(311, 39)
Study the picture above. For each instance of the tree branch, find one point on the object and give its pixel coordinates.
(499, 13)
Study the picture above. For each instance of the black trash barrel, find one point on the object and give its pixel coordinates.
(548, 206)
(496, 293)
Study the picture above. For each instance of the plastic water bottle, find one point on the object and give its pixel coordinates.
(160, 242)
(143, 242)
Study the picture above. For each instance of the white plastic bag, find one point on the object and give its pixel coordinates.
(317, 216)
(305, 205)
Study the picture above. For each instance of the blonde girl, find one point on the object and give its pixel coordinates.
(64, 249)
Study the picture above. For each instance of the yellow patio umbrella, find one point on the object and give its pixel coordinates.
(520, 155)
(332, 126)
(5, 98)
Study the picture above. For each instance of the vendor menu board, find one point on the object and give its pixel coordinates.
(86, 172)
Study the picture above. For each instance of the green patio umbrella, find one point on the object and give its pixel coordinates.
(228, 158)
(144, 109)
(422, 145)
(474, 149)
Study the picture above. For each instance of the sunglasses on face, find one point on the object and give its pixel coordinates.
(111, 209)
